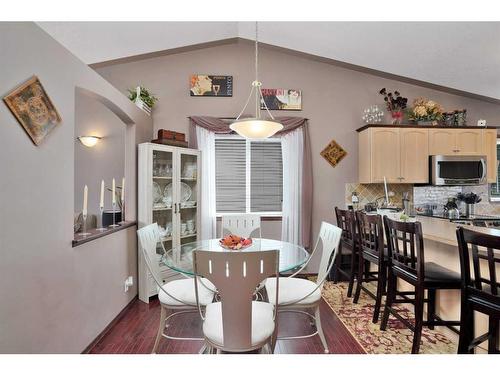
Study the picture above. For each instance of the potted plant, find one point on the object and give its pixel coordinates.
(142, 98)
(426, 112)
(395, 104)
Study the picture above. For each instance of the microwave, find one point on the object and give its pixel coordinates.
(458, 170)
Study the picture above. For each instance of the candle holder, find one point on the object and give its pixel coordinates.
(101, 228)
(84, 232)
(123, 213)
(114, 225)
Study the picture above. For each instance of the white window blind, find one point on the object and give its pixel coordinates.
(266, 176)
(249, 175)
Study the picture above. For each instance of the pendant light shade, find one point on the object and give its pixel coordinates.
(256, 127)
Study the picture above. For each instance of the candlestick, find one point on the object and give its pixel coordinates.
(114, 225)
(123, 202)
(101, 228)
(85, 197)
(101, 201)
(123, 189)
(113, 192)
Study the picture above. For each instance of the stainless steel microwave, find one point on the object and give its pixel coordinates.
(458, 170)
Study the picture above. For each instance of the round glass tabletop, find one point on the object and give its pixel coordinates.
(180, 258)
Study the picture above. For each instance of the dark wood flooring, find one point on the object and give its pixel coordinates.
(135, 332)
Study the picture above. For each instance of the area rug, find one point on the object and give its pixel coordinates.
(396, 339)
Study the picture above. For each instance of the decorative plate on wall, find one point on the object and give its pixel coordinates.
(333, 153)
(33, 109)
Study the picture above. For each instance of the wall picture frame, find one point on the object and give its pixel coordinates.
(33, 109)
(281, 99)
(333, 153)
(210, 85)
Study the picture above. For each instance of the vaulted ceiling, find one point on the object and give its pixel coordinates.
(459, 55)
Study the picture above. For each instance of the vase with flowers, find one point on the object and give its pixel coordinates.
(426, 112)
(395, 104)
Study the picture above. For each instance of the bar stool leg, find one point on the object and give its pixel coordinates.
(391, 295)
(466, 327)
(493, 339)
(336, 266)
(353, 272)
(419, 318)
(431, 307)
(361, 270)
(382, 277)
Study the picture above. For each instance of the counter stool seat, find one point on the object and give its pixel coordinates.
(434, 273)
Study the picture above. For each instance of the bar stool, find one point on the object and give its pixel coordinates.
(346, 221)
(479, 292)
(407, 262)
(371, 249)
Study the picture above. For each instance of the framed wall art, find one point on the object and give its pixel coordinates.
(282, 99)
(34, 110)
(333, 153)
(210, 85)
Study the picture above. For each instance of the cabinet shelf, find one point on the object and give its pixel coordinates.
(161, 178)
(189, 235)
(162, 209)
(188, 178)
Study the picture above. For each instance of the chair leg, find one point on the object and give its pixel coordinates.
(391, 295)
(361, 270)
(163, 316)
(493, 338)
(431, 307)
(419, 319)
(382, 278)
(353, 272)
(320, 330)
(336, 266)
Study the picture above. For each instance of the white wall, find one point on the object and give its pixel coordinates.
(55, 298)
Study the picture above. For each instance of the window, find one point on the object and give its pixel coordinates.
(495, 188)
(248, 175)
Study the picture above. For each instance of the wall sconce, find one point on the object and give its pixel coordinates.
(89, 140)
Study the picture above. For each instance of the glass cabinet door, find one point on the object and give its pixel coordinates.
(162, 196)
(188, 197)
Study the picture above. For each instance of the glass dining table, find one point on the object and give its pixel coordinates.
(180, 258)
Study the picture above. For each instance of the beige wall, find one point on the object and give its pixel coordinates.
(56, 298)
(333, 100)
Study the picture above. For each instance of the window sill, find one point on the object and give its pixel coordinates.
(95, 234)
(265, 217)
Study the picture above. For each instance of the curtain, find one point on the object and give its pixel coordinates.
(292, 149)
(215, 125)
(205, 141)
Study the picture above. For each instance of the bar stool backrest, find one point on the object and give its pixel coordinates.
(405, 244)
(483, 251)
(346, 221)
(371, 233)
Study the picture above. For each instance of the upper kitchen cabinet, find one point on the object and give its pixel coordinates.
(490, 150)
(399, 155)
(455, 141)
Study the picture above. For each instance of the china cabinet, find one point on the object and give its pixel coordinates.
(169, 194)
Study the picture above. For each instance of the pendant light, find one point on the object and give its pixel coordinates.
(256, 127)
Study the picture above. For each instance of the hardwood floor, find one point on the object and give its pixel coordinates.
(135, 332)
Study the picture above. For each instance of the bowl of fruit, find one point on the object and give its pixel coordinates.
(234, 242)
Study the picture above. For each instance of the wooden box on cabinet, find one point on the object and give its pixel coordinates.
(166, 168)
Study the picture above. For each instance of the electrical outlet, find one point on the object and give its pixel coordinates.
(391, 194)
(128, 283)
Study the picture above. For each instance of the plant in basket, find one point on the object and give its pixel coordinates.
(426, 112)
(395, 104)
(234, 242)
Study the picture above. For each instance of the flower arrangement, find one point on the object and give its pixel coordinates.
(426, 110)
(145, 96)
(395, 104)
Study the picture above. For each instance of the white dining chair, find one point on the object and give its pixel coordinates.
(298, 295)
(176, 295)
(238, 323)
(242, 225)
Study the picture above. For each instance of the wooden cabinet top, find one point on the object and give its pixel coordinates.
(367, 126)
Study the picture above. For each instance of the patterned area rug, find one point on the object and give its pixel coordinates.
(397, 339)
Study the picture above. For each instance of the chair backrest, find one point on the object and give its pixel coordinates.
(242, 225)
(149, 236)
(346, 220)
(329, 235)
(483, 251)
(370, 234)
(405, 244)
(236, 276)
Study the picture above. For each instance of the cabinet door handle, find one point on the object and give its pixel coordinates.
(175, 208)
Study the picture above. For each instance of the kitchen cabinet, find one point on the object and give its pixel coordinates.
(399, 155)
(169, 195)
(455, 141)
(490, 150)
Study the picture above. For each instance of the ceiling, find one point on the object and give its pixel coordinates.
(459, 55)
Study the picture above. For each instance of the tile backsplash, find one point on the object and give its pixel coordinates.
(368, 193)
(437, 195)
